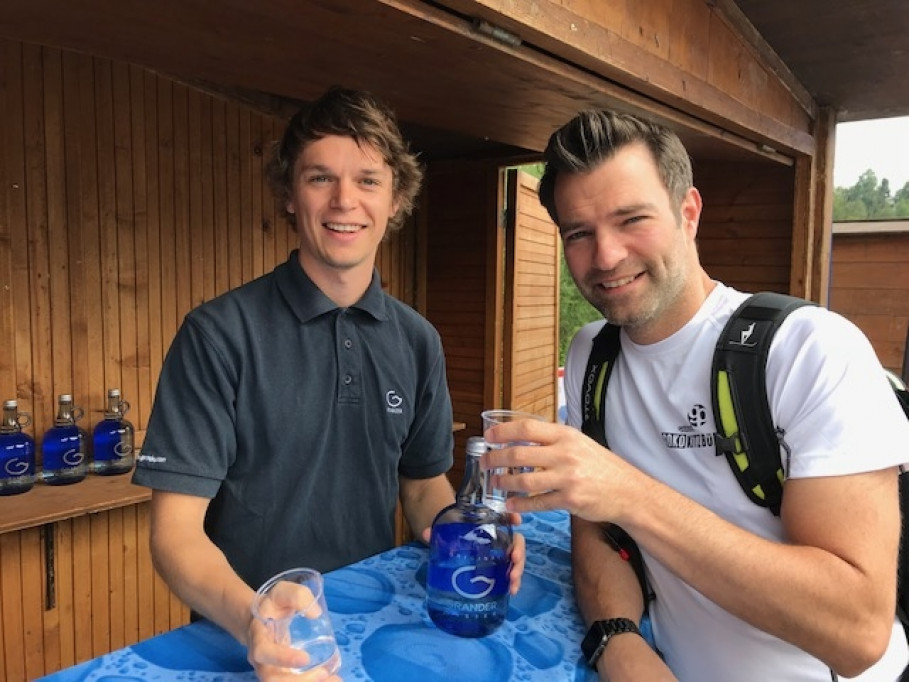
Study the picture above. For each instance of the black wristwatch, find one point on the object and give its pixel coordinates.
(599, 635)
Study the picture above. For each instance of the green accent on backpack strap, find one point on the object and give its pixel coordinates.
(746, 434)
(605, 350)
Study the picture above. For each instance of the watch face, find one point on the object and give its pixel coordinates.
(599, 635)
(593, 641)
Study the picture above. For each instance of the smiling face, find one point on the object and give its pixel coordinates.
(342, 199)
(630, 251)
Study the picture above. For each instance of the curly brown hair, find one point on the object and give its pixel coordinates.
(349, 113)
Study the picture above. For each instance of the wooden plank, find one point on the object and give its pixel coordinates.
(247, 237)
(220, 244)
(100, 584)
(234, 204)
(167, 214)
(10, 185)
(90, 220)
(36, 248)
(145, 587)
(182, 205)
(109, 324)
(65, 577)
(144, 390)
(47, 504)
(82, 587)
(23, 387)
(31, 569)
(116, 580)
(125, 225)
(130, 557)
(206, 226)
(194, 198)
(13, 624)
(153, 257)
(596, 43)
(58, 235)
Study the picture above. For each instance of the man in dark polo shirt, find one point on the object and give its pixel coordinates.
(292, 413)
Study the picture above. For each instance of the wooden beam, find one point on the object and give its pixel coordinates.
(823, 202)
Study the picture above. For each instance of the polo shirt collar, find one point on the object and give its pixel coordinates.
(308, 302)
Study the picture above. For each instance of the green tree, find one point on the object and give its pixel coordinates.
(574, 311)
(869, 199)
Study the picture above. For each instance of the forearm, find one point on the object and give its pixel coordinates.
(197, 571)
(605, 585)
(816, 590)
(422, 499)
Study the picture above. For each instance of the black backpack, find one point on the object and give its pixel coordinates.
(746, 434)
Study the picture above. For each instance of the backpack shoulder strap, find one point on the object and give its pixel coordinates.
(746, 435)
(603, 354)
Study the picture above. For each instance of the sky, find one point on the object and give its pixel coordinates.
(881, 145)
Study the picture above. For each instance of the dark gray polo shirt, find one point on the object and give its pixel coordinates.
(296, 417)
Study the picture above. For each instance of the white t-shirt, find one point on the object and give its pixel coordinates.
(828, 393)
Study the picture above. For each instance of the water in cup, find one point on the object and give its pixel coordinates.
(292, 607)
(495, 497)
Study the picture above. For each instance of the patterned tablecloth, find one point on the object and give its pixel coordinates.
(378, 612)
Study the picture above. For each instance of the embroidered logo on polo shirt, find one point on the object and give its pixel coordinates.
(393, 402)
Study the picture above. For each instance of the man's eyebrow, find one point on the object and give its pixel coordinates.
(633, 208)
(321, 168)
(620, 212)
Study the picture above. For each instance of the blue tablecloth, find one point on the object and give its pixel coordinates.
(378, 612)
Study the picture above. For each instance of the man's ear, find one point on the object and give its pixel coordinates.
(690, 211)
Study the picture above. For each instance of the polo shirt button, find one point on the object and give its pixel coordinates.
(347, 379)
(347, 343)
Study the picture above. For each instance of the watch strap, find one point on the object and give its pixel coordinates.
(599, 635)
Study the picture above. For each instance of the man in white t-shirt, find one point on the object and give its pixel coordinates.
(740, 595)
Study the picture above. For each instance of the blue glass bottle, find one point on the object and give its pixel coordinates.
(17, 451)
(112, 439)
(469, 559)
(63, 458)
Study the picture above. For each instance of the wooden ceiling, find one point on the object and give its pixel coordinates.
(851, 55)
(457, 92)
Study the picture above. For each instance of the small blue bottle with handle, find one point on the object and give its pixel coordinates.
(63, 458)
(17, 451)
(112, 439)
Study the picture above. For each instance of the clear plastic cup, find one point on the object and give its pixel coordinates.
(495, 497)
(292, 606)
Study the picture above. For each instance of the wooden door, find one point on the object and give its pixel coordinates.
(531, 324)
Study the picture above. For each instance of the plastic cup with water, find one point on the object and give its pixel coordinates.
(292, 606)
(495, 497)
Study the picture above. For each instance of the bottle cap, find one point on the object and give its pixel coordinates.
(113, 393)
(476, 446)
(10, 404)
(65, 398)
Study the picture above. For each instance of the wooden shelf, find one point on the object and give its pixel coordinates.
(46, 503)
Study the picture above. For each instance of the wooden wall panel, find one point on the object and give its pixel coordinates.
(870, 286)
(93, 603)
(745, 235)
(127, 200)
(532, 294)
(462, 289)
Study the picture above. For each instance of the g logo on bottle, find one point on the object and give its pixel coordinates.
(16, 467)
(470, 584)
(72, 458)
